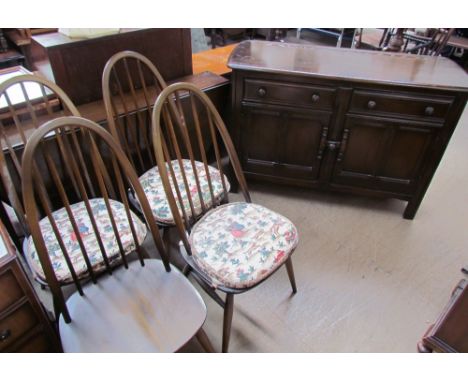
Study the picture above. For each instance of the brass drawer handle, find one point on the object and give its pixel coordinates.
(4, 334)
(315, 98)
(261, 92)
(429, 111)
(371, 104)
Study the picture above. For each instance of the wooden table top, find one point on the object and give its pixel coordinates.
(212, 60)
(349, 64)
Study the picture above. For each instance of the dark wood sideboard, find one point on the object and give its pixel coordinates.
(372, 123)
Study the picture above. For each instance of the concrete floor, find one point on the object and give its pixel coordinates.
(368, 280)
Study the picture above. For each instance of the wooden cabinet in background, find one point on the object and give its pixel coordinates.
(24, 325)
(76, 64)
(366, 122)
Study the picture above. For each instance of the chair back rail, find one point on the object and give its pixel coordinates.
(26, 101)
(74, 139)
(175, 140)
(432, 47)
(130, 85)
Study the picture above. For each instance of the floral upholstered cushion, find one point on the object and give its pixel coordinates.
(88, 237)
(154, 189)
(240, 244)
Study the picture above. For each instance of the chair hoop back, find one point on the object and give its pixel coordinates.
(26, 101)
(178, 134)
(130, 86)
(100, 184)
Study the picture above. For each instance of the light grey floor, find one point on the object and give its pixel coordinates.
(368, 280)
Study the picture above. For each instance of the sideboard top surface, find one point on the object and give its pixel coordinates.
(349, 64)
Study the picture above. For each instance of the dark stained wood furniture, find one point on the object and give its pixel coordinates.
(196, 190)
(11, 58)
(130, 85)
(374, 123)
(450, 331)
(76, 64)
(24, 325)
(26, 101)
(432, 46)
(3, 42)
(122, 306)
(20, 39)
(216, 87)
(341, 34)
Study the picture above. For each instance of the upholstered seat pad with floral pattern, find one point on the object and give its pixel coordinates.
(88, 237)
(154, 189)
(239, 244)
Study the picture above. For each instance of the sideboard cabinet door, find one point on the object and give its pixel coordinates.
(383, 154)
(282, 143)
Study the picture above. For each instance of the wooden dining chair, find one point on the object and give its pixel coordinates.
(123, 305)
(26, 101)
(435, 45)
(130, 86)
(129, 100)
(230, 247)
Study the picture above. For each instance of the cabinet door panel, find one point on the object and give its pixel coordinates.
(383, 155)
(370, 136)
(282, 143)
(405, 152)
(260, 135)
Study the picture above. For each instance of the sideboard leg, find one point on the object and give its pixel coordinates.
(411, 209)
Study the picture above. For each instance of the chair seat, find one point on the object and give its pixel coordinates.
(139, 309)
(240, 244)
(88, 237)
(154, 190)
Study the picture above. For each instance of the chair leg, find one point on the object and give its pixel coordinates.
(186, 270)
(292, 279)
(204, 341)
(166, 239)
(228, 310)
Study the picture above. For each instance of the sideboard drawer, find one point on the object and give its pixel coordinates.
(19, 322)
(286, 93)
(400, 104)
